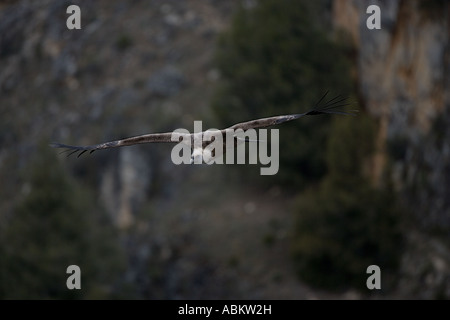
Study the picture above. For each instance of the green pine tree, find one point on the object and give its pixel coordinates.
(346, 224)
(56, 224)
(277, 58)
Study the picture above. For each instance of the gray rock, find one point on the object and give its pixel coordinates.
(124, 186)
(166, 82)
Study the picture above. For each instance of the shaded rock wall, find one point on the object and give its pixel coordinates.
(403, 79)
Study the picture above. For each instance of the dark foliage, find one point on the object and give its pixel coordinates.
(57, 224)
(277, 59)
(346, 225)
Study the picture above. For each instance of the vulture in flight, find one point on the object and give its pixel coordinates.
(332, 106)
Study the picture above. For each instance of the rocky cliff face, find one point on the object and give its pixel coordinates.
(133, 68)
(404, 80)
(144, 66)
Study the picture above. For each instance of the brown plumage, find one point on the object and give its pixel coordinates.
(333, 106)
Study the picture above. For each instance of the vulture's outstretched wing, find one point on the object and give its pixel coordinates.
(332, 106)
(146, 138)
